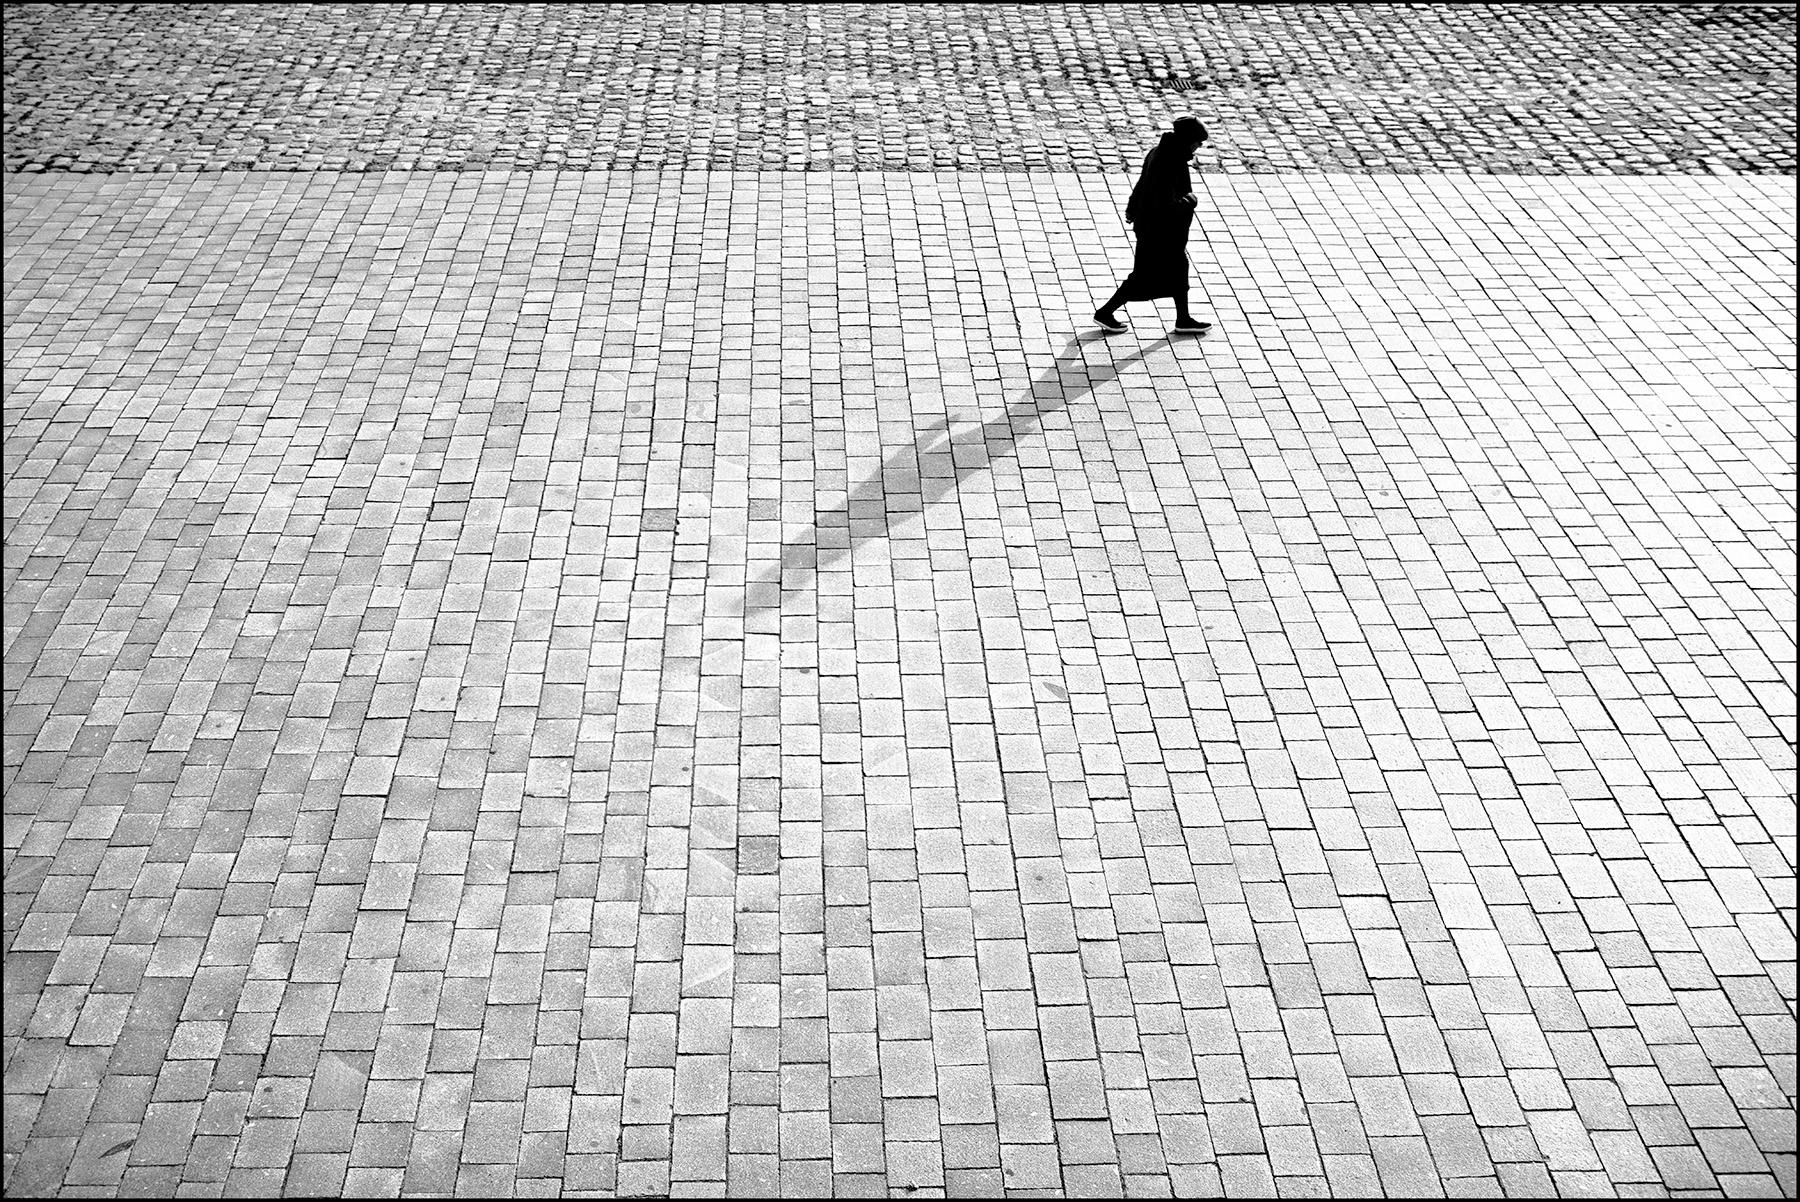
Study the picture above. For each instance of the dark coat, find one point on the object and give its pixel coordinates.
(1161, 216)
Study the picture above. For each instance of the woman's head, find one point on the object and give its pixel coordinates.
(1189, 132)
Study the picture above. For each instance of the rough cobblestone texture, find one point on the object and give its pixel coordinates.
(1508, 88)
(631, 682)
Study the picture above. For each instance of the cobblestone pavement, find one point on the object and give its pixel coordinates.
(668, 680)
(641, 681)
(1516, 88)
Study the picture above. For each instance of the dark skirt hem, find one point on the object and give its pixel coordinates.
(1153, 288)
(1159, 266)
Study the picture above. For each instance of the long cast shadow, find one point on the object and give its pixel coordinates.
(913, 478)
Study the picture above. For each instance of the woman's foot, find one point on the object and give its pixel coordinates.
(1109, 323)
(1187, 325)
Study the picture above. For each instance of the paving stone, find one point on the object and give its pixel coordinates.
(492, 709)
(1371, 91)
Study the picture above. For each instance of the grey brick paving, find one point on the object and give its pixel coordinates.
(1509, 88)
(684, 681)
(491, 709)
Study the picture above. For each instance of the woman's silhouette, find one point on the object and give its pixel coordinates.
(1160, 210)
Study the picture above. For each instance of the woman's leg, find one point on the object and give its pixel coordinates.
(1181, 306)
(1118, 298)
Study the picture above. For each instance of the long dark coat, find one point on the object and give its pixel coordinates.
(1161, 217)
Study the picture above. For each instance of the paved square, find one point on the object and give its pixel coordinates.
(626, 681)
(626, 662)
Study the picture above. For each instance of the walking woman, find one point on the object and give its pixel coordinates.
(1160, 210)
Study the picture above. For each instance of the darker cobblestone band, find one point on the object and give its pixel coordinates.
(1510, 88)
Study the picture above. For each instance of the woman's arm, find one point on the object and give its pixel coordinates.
(1162, 188)
(1171, 186)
